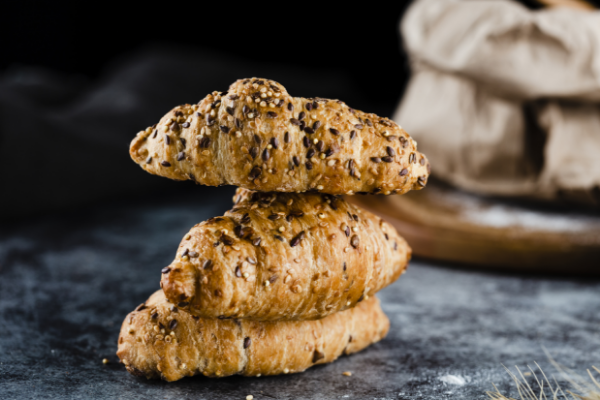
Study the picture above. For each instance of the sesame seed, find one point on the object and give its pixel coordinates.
(281, 229)
(263, 103)
(105, 361)
(269, 146)
(386, 133)
(250, 115)
(267, 283)
(315, 141)
(245, 274)
(286, 371)
(348, 302)
(320, 187)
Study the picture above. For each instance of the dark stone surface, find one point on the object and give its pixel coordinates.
(68, 280)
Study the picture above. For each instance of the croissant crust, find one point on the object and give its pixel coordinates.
(258, 137)
(157, 340)
(284, 256)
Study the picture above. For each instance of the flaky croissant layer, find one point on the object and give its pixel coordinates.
(284, 256)
(157, 340)
(258, 137)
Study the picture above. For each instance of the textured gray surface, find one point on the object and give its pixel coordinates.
(68, 280)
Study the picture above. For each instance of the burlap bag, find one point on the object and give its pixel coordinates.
(505, 100)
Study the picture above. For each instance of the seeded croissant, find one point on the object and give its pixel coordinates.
(286, 256)
(159, 341)
(258, 137)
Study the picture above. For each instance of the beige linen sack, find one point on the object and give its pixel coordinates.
(505, 100)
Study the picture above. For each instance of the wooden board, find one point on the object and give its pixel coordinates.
(443, 223)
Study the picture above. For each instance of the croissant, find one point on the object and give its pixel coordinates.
(285, 256)
(258, 137)
(158, 340)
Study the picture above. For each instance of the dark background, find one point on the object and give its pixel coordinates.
(80, 39)
(79, 80)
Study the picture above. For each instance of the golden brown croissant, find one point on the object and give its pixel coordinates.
(286, 256)
(258, 137)
(158, 340)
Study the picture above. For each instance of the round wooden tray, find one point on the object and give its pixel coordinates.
(443, 223)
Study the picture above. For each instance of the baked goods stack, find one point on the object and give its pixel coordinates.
(285, 279)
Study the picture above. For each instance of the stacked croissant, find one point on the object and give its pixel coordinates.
(285, 279)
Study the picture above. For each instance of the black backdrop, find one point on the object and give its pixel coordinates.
(81, 37)
(78, 80)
